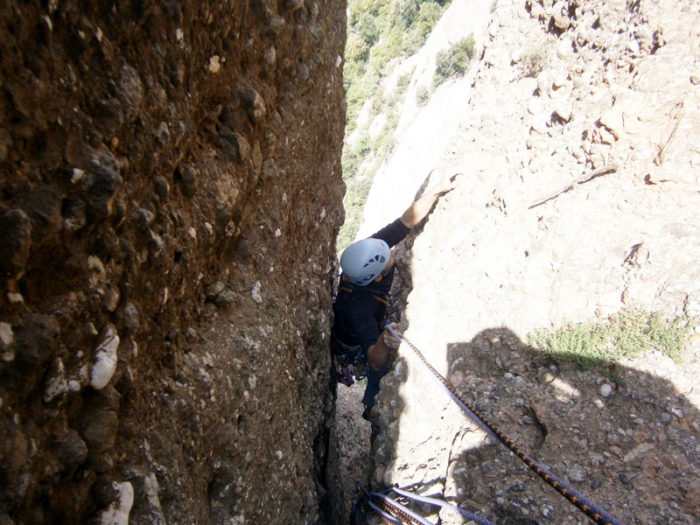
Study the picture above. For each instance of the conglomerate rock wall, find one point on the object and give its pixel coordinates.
(170, 192)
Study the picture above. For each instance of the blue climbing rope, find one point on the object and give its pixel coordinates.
(590, 509)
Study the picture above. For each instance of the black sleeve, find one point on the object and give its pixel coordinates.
(392, 233)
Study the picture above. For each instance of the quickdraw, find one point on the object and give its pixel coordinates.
(391, 511)
(589, 508)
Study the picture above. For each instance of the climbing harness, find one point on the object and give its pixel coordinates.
(589, 508)
(394, 512)
(350, 362)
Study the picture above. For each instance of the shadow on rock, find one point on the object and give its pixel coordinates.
(624, 444)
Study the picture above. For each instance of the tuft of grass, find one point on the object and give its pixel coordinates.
(533, 63)
(624, 335)
(422, 95)
(454, 61)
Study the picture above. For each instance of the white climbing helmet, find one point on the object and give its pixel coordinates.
(364, 260)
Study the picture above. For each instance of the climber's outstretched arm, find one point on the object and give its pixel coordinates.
(417, 211)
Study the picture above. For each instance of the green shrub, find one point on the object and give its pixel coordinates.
(403, 13)
(356, 49)
(422, 95)
(403, 82)
(368, 28)
(362, 147)
(454, 61)
(626, 334)
(385, 139)
(428, 16)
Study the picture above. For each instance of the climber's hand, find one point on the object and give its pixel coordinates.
(389, 339)
(447, 182)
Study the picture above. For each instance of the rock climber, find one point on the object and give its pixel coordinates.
(359, 340)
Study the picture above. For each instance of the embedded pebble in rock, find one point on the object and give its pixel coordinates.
(130, 91)
(163, 133)
(36, 339)
(225, 297)
(73, 213)
(131, 317)
(105, 363)
(148, 508)
(16, 233)
(101, 184)
(72, 450)
(276, 23)
(242, 147)
(577, 474)
(256, 293)
(627, 477)
(111, 299)
(535, 106)
(118, 511)
(214, 64)
(517, 486)
(605, 390)
(254, 102)
(145, 217)
(214, 289)
(99, 423)
(7, 337)
(55, 384)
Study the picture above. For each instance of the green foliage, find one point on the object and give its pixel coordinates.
(363, 147)
(378, 102)
(626, 334)
(422, 95)
(403, 13)
(403, 82)
(357, 8)
(379, 31)
(454, 61)
(367, 28)
(353, 202)
(428, 16)
(356, 49)
(384, 142)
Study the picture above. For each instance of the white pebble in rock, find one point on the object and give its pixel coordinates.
(118, 511)
(214, 64)
(605, 390)
(7, 337)
(577, 474)
(105, 363)
(256, 292)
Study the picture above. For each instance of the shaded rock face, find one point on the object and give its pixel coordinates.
(170, 192)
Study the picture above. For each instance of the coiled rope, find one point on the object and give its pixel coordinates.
(574, 497)
(394, 512)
